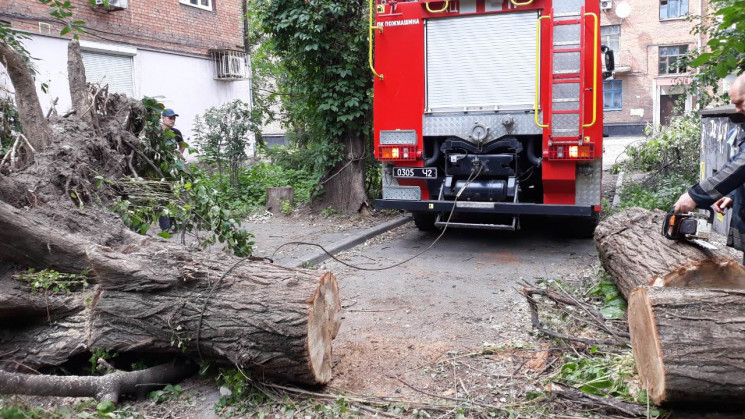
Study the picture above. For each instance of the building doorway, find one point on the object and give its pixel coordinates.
(670, 106)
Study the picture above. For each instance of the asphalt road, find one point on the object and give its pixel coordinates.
(459, 296)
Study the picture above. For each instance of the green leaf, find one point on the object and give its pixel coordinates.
(106, 407)
(612, 312)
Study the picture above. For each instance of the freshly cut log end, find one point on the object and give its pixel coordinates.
(709, 273)
(324, 319)
(645, 344)
(688, 344)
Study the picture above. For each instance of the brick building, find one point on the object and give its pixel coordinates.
(648, 37)
(189, 54)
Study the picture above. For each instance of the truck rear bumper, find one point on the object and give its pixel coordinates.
(486, 207)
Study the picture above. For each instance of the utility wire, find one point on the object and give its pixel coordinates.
(471, 178)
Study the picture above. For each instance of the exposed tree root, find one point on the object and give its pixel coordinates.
(105, 388)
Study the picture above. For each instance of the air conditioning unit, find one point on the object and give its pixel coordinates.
(233, 66)
(113, 4)
(606, 4)
(230, 65)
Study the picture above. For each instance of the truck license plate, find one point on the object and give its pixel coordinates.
(415, 172)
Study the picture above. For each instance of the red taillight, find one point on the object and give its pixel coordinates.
(571, 152)
(399, 152)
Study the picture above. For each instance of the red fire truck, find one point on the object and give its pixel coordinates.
(488, 110)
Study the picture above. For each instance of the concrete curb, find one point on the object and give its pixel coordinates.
(351, 242)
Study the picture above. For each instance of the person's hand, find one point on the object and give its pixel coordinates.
(685, 204)
(722, 204)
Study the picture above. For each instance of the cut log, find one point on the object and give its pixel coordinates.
(158, 297)
(632, 249)
(689, 344)
(276, 196)
(274, 321)
(709, 273)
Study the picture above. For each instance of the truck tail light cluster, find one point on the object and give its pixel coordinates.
(399, 153)
(572, 152)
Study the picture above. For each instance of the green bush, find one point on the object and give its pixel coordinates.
(670, 158)
(673, 149)
(249, 194)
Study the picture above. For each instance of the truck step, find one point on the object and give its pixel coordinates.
(480, 226)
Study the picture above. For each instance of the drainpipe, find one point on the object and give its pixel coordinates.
(247, 50)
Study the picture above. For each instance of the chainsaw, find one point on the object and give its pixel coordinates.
(694, 227)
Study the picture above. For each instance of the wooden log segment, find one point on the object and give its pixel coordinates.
(274, 321)
(31, 348)
(689, 344)
(632, 249)
(709, 273)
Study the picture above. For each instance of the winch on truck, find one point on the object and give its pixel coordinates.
(489, 110)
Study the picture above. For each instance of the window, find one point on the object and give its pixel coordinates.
(202, 4)
(115, 70)
(672, 9)
(670, 59)
(610, 36)
(612, 95)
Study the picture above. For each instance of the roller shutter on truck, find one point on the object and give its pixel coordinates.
(484, 62)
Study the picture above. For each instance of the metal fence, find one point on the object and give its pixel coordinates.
(718, 133)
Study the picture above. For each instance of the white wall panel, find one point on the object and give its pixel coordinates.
(481, 61)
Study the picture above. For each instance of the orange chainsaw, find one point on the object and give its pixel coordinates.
(694, 227)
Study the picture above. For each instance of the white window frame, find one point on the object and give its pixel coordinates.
(605, 39)
(198, 6)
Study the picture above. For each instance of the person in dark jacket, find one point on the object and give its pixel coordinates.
(167, 121)
(726, 186)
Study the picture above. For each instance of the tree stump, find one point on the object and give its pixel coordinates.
(689, 344)
(633, 250)
(276, 196)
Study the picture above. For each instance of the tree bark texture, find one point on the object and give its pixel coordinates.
(633, 250)
(18, 302)
(34, 124)
(33, 242)
(274, 321)
(34, 347)
(689, 344)
(105, 388)
(344, 189)
(276, 196)
(78, 86)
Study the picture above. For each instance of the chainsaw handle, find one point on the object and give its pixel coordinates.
(710, 220)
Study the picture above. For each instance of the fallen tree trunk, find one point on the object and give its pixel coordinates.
(688, 344)
(155, 296)
(105, 388)
(633, 251)
(274, 321)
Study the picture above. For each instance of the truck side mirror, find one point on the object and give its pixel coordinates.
(608, 61)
